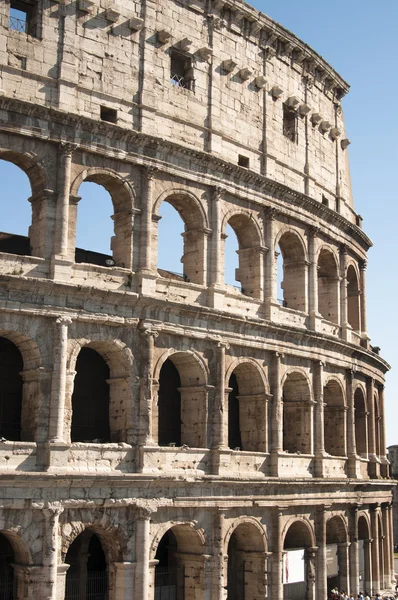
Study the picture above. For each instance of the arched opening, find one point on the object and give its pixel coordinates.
(11, 366)
(334, 419)
(298, 563)
(17, 219)
(360, 424)
(353, 299)
(246, 564)
(179, 572)
(364, 558)
(94, 225)
(87, 576)
(294, 272)
(181, 409)
(231, 258)
(170, 242)
(169, 403)
(90, 398)
(328, 286)
(193, 234)
(378, 424)
(8, 582)
(247, 418)
(336, 553)
(297, 415)
(249, 271)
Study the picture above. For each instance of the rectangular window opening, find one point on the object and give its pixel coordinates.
(108, 114)
(289, 123)
(325, 201)
(243, 161)
(181, 70)
(24, 17)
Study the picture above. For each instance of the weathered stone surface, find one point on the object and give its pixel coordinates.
(242, 424)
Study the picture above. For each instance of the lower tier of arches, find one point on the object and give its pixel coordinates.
(155, 550)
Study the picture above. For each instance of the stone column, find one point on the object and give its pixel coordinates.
(343, 292)
(388, 546)
(319, 417)
(391, 532)
(146, 434)
(218, 588)
(313, 277)
(351, 442)
(277, 556)
(321, 579)
(344, 565)
(51, 552)
(384, 461)
(276, 413)
(145, 258)
(124, 580)
(368, 584)
(216, 275)
(353, 551)
(270, 269)
(373, 465)
(311, 572)
(142, 548)
(64, 180)
(57, 438)
(220, 412)
(374, 523)
(362, 268)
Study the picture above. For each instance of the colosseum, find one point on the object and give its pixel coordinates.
(171, 436)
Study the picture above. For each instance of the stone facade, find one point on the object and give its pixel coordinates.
(171, 434)
(393, 458)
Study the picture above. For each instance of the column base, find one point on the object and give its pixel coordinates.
(57, 456)
(216, 296)
(61, 268)
(373, 467)
(353, 468)
(319, 466)
(147, 283)
(271, 309)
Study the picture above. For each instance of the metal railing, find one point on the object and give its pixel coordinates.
(96, 587)
(18, 25)
(165, 583)
(6, 587)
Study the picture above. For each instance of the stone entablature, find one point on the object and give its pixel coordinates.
(228, 115)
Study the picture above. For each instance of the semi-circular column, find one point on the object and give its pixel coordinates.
(64, 179)
(58, 387)
(319, 418)
(276, 413)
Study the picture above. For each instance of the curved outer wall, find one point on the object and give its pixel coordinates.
(217, 110)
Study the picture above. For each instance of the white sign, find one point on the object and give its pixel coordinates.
(332, 561)
(294, 566)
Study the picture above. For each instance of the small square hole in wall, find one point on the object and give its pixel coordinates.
(325, 201)
(243, 161)
(108, 114)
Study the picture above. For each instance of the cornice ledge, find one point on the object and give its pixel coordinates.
(142, 141)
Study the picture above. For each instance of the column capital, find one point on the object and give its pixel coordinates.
(225, 345)
(148, 330)
(68, 148)
(363, 264)
(218, 193)
(64, 320)
(150, 171)
(313, 231)
(343, 249)
(271, 213)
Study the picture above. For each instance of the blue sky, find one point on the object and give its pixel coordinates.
(359, 39)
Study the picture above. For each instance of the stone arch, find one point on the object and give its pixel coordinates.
(361, 421)
(250, 252)
(180, 406)
(196, 227)
(20, 549)
(364, 549)
(297, 412)
(299, 543)
(294, 256)
(296, 529)
(37, 243)
(115, 384)
(328, 284)
(179, 553)
(335, 422)
(123, 200)
(247, 406)
(248, 524)
(25, 382)
(353, 297)
(337, 547)
(90, 550)
(246, 565)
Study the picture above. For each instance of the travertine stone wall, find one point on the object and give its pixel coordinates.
(280, 401)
